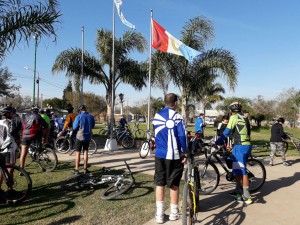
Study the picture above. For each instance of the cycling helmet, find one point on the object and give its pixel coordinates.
(5, 109)
(34, 108)
(42, 111)
(82, 107)
(235, 107)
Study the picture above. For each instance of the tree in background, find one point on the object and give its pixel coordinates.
(7, 89)
(21, 20)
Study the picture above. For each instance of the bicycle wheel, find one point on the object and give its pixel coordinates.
(144, 149)
(197, 188)
(127, 142)
(117, 188)
(187, 205)
(47, 160)
(139, 134)
(18, 186)
(256, 173)
(62, 145)
(103, 131)
(92, 147)
(77, 183)
(209, 177)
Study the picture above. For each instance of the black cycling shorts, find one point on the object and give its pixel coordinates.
(167, 172)
(28, 140)
(82, 145)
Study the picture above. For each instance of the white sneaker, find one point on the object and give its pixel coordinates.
(159, 218)
(174, 216)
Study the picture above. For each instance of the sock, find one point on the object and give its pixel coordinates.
(246, 192)
(174, 208)
(159, 207)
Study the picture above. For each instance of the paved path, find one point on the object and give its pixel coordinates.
(278, 202)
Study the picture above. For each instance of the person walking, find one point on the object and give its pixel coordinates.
(83, 125)
(237, 126)
(199, 125)
(170, 155)
(277, 141)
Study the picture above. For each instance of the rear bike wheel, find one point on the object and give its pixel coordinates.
(18, 186)
(77, 183)
(62, 145)
(127, 142)
(92, 147)
(103, 132)
(256, 173)
(118, 188)
(188, 205)
(140, 134)
(209, 177)
(47, 160)
(144, 149)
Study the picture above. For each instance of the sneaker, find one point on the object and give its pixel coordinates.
(174, 216)
(271, 163)
(75, 172)
(86, 171)
(159, 218)
(248, 201)
(238, 198)
(286, 164)
(242, 199)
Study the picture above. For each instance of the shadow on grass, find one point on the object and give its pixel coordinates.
(67, 220)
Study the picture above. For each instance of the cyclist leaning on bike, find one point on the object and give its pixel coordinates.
(69, 123)
(239, 128)
(33, 125)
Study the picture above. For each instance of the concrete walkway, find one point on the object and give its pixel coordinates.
(277, 203)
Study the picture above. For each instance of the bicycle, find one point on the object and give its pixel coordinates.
(16, 183)
(137, 132)
(104, 131)
(63, 144)
(44, 157)
(147, 145)
(295, 141)
(124, 135)
(210, 175)
(192, 185)
(119, 184)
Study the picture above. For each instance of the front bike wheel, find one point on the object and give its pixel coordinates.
(144, 149)
(92, 147)
(127, 142)
(47, 160)
(118, 188)
(17, 186)
(188, 206)
(256, 173)
(209, 177)
(140, 134)
(62, 145)
(77, 183)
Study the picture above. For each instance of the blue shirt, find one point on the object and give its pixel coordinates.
(170, 134)
(199, 125)
(84, 123)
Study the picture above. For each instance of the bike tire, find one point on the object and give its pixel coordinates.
(103, 132)
(47, 160)
(62, 145)
(127, 142)
(139, 134)
(144, 149)
(187, 205)
(114, 190)
(197, 188)
(76, 183)
(256, 173)
(20, 182)
(92, 147)
(209, 177)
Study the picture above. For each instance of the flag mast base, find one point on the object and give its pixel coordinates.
(111, 144)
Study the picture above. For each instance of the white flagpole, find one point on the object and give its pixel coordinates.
(82, 50)
(149, 81)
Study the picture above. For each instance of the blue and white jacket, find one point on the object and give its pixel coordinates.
(170, 134)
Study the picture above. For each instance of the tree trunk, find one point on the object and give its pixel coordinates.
(184, 103)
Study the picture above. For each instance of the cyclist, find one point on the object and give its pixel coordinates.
(222, 126)
(32, 130)
(46, 131)
(277, 141)
(69, 123)
(199, 125)
(237, 126)
(16, 126)
(170, 139)
(83, 125)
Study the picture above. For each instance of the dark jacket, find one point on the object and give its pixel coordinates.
(277, 133)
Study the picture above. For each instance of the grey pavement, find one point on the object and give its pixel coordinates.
(277, 203)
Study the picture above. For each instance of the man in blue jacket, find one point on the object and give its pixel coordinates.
(170, 140)
(83, 125)
(199, 125)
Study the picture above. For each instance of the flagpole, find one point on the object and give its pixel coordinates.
(82, 50)
(149, 81)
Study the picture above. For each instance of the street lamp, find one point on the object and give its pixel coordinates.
(121, 96)
(38, 85)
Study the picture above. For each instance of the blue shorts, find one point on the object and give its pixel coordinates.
(240, 154)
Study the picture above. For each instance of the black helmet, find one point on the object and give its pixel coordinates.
(82, 107)
(34, 108)
(235, 107)
(69, 108)
(42, 111)
(5, 109)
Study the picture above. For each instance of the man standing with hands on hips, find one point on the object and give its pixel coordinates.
(170, 140)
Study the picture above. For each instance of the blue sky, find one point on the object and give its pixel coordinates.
(262, 35)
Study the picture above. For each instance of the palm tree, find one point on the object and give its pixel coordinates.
(20, 20)
(196, 34)
(126, 71)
